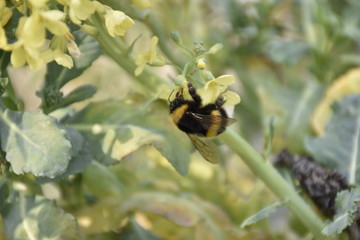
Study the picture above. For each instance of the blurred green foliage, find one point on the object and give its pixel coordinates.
(130, 173)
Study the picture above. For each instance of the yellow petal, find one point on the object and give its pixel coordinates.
(58, 43)
(52, 21)
(139, 70)
(3, 40)
(64, 60)
(20, 27)
(5, 15)
(73, 49)
(12, 46)
(225, 80)
(100, 8)
(32, 56)
(209, 94)
(152, 52)
(82, 9)
(18, 57)
(38, 3)
(33, 33)
(47, 55)
(117, 23)
(231, 98)
(215, 48)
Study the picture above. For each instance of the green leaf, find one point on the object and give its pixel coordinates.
(58, 76)
(4, 62)
(346, 207)
(269, 139)
(339, 148)
(118, 128)
(77, 163)
(4, 193)
(264, 213)
(178, 210)
(79, 94)
(3, 84)
(34, 143)
(38, 218)
(287, 51)
(292, 106)
(137, 232)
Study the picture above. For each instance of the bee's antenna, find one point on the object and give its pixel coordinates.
(170, 94)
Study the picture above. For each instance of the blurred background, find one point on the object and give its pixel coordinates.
(291, 59)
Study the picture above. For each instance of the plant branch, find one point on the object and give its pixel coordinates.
(265, 171)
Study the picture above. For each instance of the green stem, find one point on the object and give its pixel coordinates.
(264, 170)
(157, 29)
(117, 50)
(153, 24)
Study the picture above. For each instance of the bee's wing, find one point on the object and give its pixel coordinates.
(206, 148)
(207, 121)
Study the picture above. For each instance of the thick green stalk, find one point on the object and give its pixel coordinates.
(117, 50)
(274, 181)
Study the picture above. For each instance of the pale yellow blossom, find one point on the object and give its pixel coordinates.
(58, 47)
(117, 23)
(80, 10)
(149, 57)
(5, 14)
(3, 40)
(216, 87)
(53, 21)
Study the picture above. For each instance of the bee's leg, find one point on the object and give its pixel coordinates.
(220, 101)
(193, 94)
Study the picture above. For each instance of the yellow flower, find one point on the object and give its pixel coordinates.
(31, 36)
(216, 87)
(142, 4)
(53, 21)
(5, 14)
(24, 54)
(80, 10)
(149, 57)
(117, 23)
(33, 32)
(3, 40)
(58, 47)
(23, 51)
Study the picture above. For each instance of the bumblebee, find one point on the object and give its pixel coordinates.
(200, 122)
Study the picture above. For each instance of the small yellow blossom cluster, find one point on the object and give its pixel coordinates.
(42, 34)
(149, 57)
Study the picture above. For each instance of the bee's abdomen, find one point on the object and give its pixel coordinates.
(178, 113)
(187, 124)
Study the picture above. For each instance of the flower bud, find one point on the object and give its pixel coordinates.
(215, 48)
(179, 80)
(207, 75)
(201, 63)
(176, 37)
